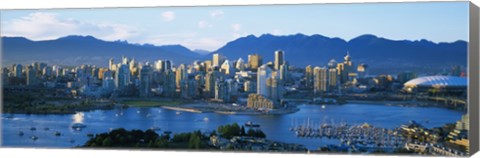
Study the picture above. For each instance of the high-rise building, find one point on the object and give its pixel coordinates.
(345, 69)
(181, 74)
(279, 59)
(122, 76)
(111, 64)
(18, 71)
(309, 77)
(146, 80)
(31, 73)
(210, 80)
(169, 83)
(254, 61)
(207, 64)
(332, 75)
(283, 73)
(263, 73)
(240, 65)
(249, 87)
(362, 70)
(159, 65)
(227, 68)
(168, 65)
(221, 90)
(5, 80)
(218, 59)
(320, 80)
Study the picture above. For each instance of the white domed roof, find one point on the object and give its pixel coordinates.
(437, 81)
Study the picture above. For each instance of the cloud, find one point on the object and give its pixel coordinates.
(236, 27)
(216, 13)
(45, 26)
(168, 16)
(276, 31)
(204, 24)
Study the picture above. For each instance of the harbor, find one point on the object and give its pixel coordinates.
(353, 138)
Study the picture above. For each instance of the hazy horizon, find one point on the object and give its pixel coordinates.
(210, 27)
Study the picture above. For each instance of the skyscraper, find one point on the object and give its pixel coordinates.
(362, 70)
(18, 70)
(240, 65)
(320, 80)
(254, 61)
(111, 64)
(31, 73)
(227, 68)
(263, 73)
(181, 74)
(332, 75)
(145, 80)
(283, 73)
(279, 59)
(309, 77)
(218, 59)
(122, 76)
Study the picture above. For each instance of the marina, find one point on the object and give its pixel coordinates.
(356, 138)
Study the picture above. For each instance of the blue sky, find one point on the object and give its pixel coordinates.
(209, 28)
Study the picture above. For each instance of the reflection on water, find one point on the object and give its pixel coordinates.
(276, 127)
(78, 118)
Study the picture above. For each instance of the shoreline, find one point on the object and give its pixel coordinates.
(187, 107)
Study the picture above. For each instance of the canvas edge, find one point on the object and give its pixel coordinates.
(473, 79)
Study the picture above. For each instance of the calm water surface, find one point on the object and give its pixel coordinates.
(275, 126)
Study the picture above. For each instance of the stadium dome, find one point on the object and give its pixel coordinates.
(437, 81)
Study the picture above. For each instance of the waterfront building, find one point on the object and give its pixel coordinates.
(122, 76)
(263, 73)
(320, 80)
(146, 80)
(218, 59)
(274, 89)
(439, 84)
(279, 59)
(257, 101)
(254, 61)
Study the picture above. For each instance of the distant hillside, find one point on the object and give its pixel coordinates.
(382, 55)
(76, 50)
(379, 53)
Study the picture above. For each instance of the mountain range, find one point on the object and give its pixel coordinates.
(300, 50)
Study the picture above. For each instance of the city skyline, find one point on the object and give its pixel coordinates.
(209, 28)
